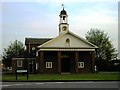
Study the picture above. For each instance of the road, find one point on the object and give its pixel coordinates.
(86, 84)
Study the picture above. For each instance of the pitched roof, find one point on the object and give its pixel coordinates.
(36, 40)
(84, 40)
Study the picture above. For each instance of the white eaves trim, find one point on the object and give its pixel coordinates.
(66, 50)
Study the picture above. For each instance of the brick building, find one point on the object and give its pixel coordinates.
(66, 53)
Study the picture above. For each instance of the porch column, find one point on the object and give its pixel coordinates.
(59, 62)
(41, 61)
(76, 61)
(93, 62)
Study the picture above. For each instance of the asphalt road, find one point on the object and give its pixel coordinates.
(86, 84)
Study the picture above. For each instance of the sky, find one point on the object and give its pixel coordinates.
(40, 18)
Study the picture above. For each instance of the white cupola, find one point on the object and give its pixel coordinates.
(63, 25)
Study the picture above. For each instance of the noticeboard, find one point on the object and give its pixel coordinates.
(21, 71)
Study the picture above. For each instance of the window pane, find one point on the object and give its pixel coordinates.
(80, 64)
(48, 64)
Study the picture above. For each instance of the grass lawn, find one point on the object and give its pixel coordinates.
(44, 77)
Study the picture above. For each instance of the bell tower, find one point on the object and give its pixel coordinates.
(63, 25)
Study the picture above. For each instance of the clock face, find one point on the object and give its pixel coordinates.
(64, 28)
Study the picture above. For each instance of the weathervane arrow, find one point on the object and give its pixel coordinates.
(62, 5)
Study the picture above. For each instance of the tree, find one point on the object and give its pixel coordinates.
(105, 50)
(15, 49)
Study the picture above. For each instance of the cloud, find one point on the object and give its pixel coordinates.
(93, 17)
(96, 18)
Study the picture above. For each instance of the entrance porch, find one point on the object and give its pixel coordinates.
(66, 62)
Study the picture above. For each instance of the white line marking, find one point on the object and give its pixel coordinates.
(40, 83)
(18, 84)
(54, 82)
(59, 82)
(89, 82)
(6, 85)
(15, 85)
(27, 84)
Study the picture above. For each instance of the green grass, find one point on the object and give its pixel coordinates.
(44, 77)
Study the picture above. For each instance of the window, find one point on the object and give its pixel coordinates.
(19, 63)
(80, 64)
(67, 42)
(48, 64)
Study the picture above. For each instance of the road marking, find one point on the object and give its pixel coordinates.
(27, 84)
(17, 84)
(6, 85)
(92, 82)
(59, 82)
(54, 82)
(40, 83)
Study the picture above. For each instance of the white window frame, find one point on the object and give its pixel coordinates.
(19, 63)
(48, 64)
(81, 65)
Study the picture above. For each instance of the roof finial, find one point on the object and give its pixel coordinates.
(62, 5)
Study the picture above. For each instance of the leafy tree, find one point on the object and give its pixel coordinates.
(15, 49)
(105, 50)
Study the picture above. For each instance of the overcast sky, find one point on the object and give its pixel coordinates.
(40, 19)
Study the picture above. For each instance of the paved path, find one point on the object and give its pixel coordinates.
(89, 84)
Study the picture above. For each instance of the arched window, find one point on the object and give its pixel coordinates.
(67, 44)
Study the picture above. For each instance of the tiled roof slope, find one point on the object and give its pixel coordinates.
(36, 40)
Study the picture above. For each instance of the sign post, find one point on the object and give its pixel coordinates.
(20, 72)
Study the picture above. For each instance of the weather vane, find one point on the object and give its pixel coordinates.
(62, 5)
